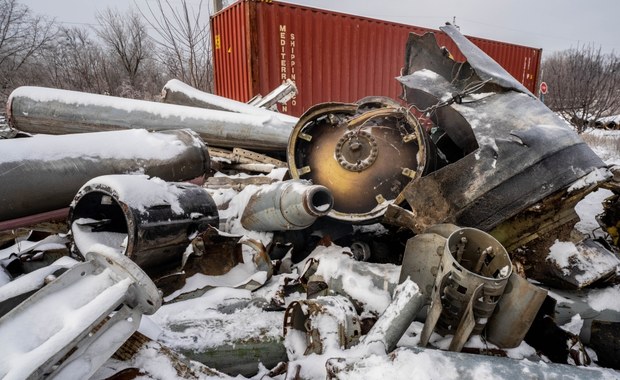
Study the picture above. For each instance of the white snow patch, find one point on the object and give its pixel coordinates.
(141, 192)
(575, 325)
(560, 252)
(125, 144)
(605, 299)
(357, 283)
(594, 177)
(588, 209)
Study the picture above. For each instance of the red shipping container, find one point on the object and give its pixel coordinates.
(330, 56)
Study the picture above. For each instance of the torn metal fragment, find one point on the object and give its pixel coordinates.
(515, 312)
(506, 150)
(280, 95)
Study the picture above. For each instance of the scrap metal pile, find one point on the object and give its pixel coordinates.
(369, 228)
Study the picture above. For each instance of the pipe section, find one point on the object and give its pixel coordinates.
(52, 111)
(149, 220)
(177, 92)
(43, 173)
(288, 205)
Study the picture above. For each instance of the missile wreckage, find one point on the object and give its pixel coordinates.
(381, 232)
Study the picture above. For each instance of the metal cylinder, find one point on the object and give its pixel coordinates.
(318, 325)
(464, 278)
(53, 111)
(177, 92)
(473, 273)
(43, 173)
(149, 220)
(392, 324)
(288, 205)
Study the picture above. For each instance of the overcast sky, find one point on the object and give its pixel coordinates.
(549, 24)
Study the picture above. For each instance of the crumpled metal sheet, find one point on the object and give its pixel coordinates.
(515, 151)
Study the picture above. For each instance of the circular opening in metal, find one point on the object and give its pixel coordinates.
(98, 219)
(479, 254)
(321, 201)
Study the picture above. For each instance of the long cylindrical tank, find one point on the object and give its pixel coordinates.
(147, 219)
(331, 56)
(54, 111)
(177, 92)
(43, 173)
(288, 205)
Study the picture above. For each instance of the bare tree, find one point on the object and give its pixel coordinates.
(184, 40)
(584, 84)
(22, 36)
(79, 63)
(127, 38)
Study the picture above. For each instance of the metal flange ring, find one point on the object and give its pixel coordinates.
(356, 150)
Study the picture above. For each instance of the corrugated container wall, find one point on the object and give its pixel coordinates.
(330, 56)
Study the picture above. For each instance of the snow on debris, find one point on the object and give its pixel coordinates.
(588, 209)
(225, 103)
(605, 299)
(221, 316)
(95, 146)
(141, 191)
(586, 263)
(266, 123)
(358, 284)
(594, 177)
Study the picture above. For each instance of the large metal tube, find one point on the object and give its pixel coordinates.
(177, 92)
(149, 220)
(43, 173)
(288, 205)
(53, 111)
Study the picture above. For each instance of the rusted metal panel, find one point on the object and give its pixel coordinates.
(330, 56)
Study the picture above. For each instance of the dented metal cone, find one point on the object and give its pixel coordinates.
(505, 149)
(288, 205)
(70, 327)
(147, 219)
(42, 173)
(364, 153)
(53, 111)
